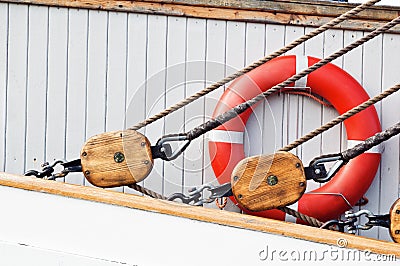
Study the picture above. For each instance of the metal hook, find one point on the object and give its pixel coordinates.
(319, 173)
(163, 150)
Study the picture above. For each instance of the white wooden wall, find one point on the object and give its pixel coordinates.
(67, 74)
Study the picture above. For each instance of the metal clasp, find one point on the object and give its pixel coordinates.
(48, 169)
(317, 171)
(163, 149)
(195, 196)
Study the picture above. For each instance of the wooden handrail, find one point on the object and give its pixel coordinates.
(198, 213)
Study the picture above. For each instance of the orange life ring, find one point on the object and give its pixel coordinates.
(333, 84)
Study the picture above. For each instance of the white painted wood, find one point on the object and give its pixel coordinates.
(333, 41)
(3, 80)
(255, 49)
(312, 111)
(155, 91)
(56, 84)
(36, 87)
(76, 88)
(390, 165)
(293, 113)
(215, 71)
(195, 76)
(136, 73)
(372, 70)
(235, 46)
(175, 92)
(96, 72)
(16, 88)
(116, 72)
(275, 39)
(96, 240)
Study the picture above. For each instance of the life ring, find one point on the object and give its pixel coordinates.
(333, 84)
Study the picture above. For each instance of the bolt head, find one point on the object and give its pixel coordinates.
(272, 180)
(146, 162)
(119, 157)
(317, 171)
(235, 178)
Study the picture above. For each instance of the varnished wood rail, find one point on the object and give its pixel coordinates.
(198, 213)
(287, 12)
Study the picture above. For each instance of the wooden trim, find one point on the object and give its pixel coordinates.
(287, 12)
(198, 213)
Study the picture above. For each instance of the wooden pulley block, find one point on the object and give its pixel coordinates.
(395, 221)
(266, 182)
(116, 158)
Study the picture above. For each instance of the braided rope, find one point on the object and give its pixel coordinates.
(371, 142)
(247, 69)
(147, 192)
(341, 118)
(308, 219)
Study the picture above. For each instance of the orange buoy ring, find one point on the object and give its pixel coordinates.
(333, 84)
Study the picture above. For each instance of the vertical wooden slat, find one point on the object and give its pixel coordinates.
(155, 91)
(293, 113)
(136, 69)
(312, 111)
(293, 108)
(136, 72)
(255, 49)
(215, 71)
(235, 46)
(57, 84)
(372, 82)
(36, 87)
(116, 72)
(3, 80)
(273, 117)
(175, 92)
(76, 88)
(96, 73)
(16, 93)
(195, 74)
(116, 67)
(333, 41)
(390, 115)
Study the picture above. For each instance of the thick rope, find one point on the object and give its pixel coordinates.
(341, 118)
(370, 142)
(308, 219)
(147, 192)
(247, 69)
(234, 112)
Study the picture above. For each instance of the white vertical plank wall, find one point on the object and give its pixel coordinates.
(68, 74)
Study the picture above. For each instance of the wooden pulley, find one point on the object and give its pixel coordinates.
(266, 182)
(395, 221)
(116, 158)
